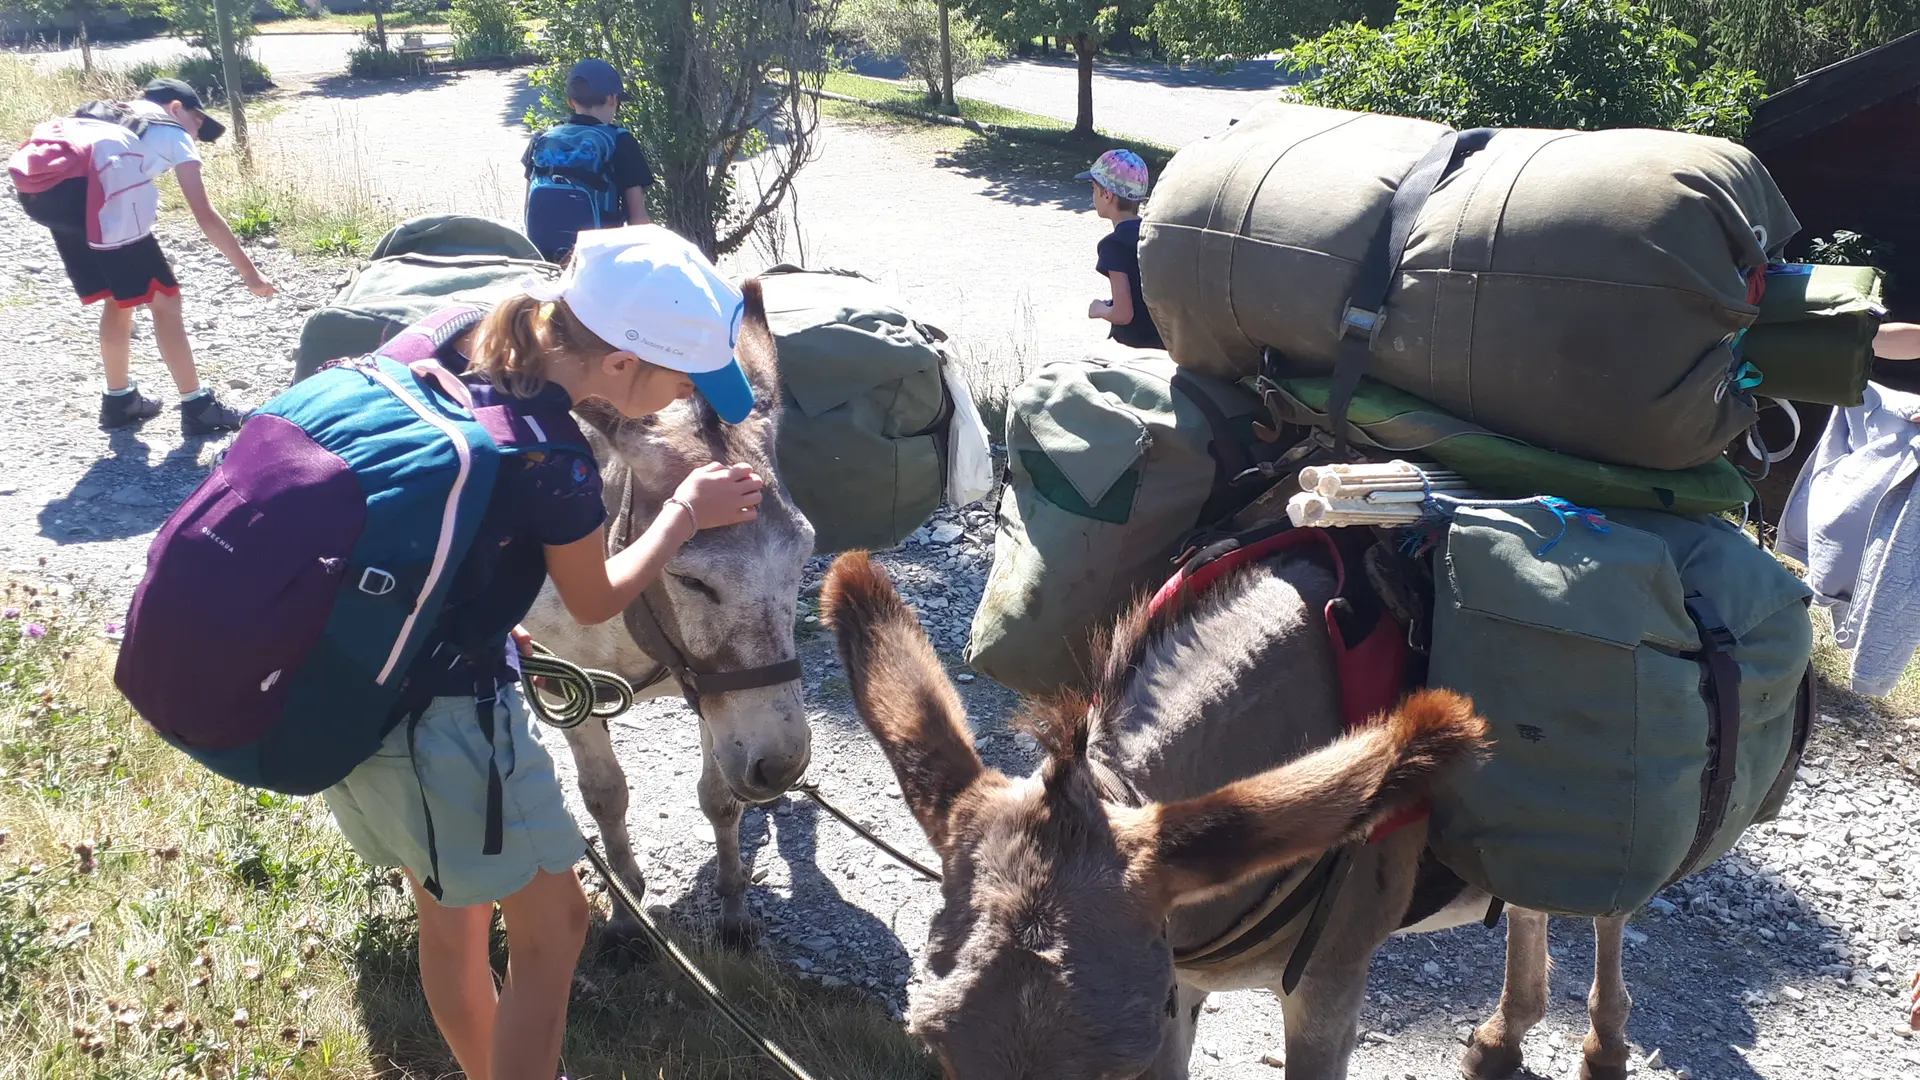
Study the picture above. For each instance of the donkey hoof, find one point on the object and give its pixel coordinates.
(1496, 1062)
(1591, 1071)
(739, 935)
(626, 942)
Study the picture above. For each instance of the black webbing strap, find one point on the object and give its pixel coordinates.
(1342, 861)
(1367, 305)
(432, 882)
(485, 699)
(1720, 686)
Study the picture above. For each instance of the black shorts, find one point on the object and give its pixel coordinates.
(132, 274)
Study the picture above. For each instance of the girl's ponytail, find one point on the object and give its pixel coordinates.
(516, 346)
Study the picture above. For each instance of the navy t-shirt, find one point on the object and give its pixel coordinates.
(539, 499)
(1120, 250)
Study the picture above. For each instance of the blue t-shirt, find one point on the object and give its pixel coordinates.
(539, 499)
(1120, 250)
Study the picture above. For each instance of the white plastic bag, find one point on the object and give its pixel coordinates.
(969, 452)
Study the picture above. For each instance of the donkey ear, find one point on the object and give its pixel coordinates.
(902, 692)
(1199, 846)
(755, 349)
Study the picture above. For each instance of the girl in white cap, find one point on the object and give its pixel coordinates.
(639, 320)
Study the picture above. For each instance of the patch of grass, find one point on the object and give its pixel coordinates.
(29, 96)
(1021, 126)
(159, 923)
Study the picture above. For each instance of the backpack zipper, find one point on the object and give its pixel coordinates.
(444, 547)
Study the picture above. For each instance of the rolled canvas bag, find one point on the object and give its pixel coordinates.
(1813, 340)
(1579, 290)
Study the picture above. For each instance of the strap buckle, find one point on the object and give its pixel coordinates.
(1356, 321)
(377, 582)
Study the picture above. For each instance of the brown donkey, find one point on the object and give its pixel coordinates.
(1211, 764)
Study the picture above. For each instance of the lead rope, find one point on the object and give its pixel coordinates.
(659, 940)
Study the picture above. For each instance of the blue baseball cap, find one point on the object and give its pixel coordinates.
(595, 78)
(646, 289)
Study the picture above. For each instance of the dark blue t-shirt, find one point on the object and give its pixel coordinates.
(539, 499)
(1120, 250)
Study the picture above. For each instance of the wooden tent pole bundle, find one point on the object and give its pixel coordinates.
(1393, 493)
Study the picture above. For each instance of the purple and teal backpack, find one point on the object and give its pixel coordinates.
(285, 600)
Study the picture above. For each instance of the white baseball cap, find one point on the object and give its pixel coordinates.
(646, 289)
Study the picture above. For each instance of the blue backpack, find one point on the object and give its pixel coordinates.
(572, 186)
(286, 599)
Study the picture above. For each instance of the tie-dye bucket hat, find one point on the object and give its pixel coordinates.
(1121, 172)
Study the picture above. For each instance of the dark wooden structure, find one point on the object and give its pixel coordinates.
(1843, 143)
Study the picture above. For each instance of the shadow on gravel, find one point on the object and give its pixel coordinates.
(1038, 169)
(525, 96)
(821, 924)
(123, 494)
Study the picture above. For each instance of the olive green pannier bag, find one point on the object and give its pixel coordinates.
(1398, 423)
(1580, 290)
(1113, 461)
(1648, 689)
(1813, 340)
(862, 438)
(419, 267)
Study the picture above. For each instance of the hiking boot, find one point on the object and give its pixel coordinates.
(125, 410)
(207, 416)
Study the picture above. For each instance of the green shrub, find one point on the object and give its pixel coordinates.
(1527, 63)
(487, 30)
(347, 239)
(203, 73)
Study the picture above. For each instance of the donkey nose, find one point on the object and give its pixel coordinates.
(777, 773)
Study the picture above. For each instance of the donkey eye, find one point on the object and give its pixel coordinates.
(698, 586)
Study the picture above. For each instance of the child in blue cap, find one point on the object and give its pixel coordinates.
(587, 173)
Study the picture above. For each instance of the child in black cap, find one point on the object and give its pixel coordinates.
(102, 226)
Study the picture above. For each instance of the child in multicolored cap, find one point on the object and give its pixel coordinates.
(1119, 187)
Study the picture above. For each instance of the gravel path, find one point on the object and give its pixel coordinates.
(1170, 106)
(1782, 961)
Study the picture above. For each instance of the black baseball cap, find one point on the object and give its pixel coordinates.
(161, 91)
(595, 78)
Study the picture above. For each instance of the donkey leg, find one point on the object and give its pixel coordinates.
(723, 810)
(1495, 1051)
(1171, 1064)
(603, 786)
(1608, 1005)
(1322, 1018)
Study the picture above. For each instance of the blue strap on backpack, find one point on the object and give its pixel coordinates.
(572, 186)
(286, 599)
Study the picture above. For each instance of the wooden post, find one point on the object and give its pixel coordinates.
(946, 60)
(230, 69)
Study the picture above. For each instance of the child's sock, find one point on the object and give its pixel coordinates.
(187, 399)
(122, 392)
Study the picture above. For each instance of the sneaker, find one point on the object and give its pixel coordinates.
(125, 410)
(207, 416)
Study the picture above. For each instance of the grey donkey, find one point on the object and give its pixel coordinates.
(725, 605)
(1208, 768)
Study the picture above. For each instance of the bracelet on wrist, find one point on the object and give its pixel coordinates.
(692, 518)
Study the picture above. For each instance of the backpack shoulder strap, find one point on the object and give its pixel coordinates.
(517, 430)
(423, 339)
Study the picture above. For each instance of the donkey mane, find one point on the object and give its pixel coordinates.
(1065, 723)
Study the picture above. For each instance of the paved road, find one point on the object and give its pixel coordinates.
(291, 58)
(1170, 106)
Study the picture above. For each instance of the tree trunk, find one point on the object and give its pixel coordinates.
(946, 60)
(1084, 46)
(230, 72)
(86, 47)
(380, 27)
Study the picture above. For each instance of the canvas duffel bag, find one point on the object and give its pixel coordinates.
(1112, 461)
(1395, 422)
(867, 407)
(1580, 290)
(1647, 686)
(420, 266)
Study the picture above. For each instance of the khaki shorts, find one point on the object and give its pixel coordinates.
(378, 806)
